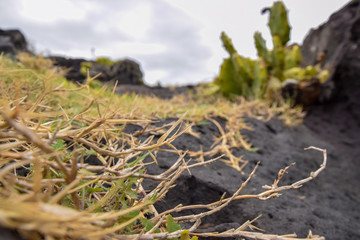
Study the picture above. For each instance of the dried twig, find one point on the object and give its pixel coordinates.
(106, 201)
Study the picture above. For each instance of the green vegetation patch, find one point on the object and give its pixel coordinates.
(49, 127)
(264, 77)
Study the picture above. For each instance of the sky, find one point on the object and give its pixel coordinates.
(176, 42)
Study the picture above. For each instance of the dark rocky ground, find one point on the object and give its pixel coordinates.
(328, 205)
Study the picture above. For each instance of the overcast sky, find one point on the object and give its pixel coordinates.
(175, 41)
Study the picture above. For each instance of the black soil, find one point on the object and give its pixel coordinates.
(328, 205)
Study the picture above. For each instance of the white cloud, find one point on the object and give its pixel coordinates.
(164, 39)
(130, 49)
(185, 57)
(52, 11)
(175, 41)
(136, 21)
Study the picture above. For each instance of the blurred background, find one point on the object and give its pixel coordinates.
(175, 41)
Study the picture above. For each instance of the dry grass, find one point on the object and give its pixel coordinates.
(49, 127)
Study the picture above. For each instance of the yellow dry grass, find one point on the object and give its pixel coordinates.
(49, 126)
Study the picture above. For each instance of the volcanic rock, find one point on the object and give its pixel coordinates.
(329, 205)
(338, 116)
(72, 66)
(124, 71)
(12, 42)
(336, 43)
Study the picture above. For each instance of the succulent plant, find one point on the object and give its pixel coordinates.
(264, 77)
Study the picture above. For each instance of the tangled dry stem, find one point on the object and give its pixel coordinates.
(167, 180)
(63, 197)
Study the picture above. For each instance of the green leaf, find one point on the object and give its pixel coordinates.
(185, 236)
(171, 225)
(323, 76)
(131, 214)
(91, 190)
(67, 202)
(131, 193)
(127, 217)
(227, 44)
(55, 124)
(310, 71)
(124, 202)
(132, 164)
(278, 59)
(226, 78)
(153, 198)
(95, 84)
(148, 225)
(203, 122)
(236, 76)
(261, 48)
(278, 22)
(260, 80)
(59, 145)
(244, 75)
(253, 149)
(90, 152)
(293, 57)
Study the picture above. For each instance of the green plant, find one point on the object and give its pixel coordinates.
(263, 77)
(105, 60)
(95, 84)
(85, 67)
(63, 197)
(240, 75)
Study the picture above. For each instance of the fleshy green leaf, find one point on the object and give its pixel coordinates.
(278, 58)
(278, 22)
(293, 57)
(227, 44)
(226, 78)
(261, 48)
